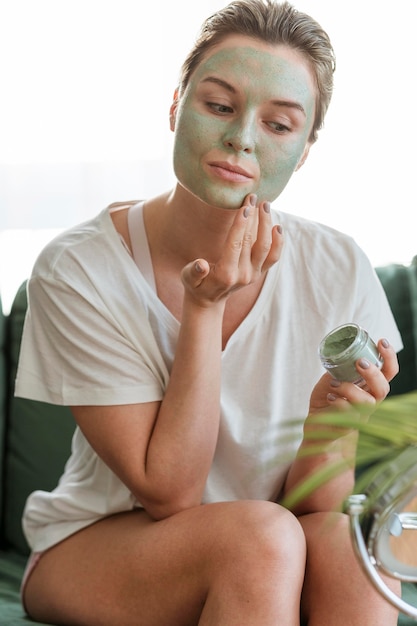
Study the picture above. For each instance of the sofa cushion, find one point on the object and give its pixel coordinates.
(12, 612)
(3, 385)
(412, 271)
(400, 285)
(38, 441)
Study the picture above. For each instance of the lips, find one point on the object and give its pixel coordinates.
(230, 171)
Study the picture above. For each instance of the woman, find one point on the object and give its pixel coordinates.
(183, 333)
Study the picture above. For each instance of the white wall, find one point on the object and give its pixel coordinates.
(86, 89)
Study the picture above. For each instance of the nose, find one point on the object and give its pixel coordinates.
(240, 136)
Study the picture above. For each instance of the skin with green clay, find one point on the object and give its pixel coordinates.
(259, 98)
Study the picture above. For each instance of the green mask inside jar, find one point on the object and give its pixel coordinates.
(342, 347)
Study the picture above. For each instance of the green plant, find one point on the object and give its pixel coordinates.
(389, 431)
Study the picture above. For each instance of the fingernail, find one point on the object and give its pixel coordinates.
(252, 199)
(267, 207)
(279, 229)
(364, 364)
(335, 383)
(331, 397)
(385, 343)
(246, 211)
(198, 267)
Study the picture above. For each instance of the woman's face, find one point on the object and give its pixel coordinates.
(243, 123)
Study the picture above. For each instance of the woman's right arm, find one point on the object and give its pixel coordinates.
(163, 450)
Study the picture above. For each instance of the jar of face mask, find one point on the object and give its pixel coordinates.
(342, 347)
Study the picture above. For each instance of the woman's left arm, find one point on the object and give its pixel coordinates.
(314, 453)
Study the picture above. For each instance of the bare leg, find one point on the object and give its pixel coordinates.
(336, 591)
(231, 564)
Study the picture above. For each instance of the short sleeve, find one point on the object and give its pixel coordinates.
(87, 339)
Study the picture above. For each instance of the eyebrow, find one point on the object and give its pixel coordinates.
(282, 103)
(219, 81)
(291, 104)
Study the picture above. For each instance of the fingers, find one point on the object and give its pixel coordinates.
(194, 273)
(253, 244)
(335, 395)
(266, 250)
(323, 400)
(376, 380)
(390, 367)
(341, 393)
(241, 235)
(329, 392)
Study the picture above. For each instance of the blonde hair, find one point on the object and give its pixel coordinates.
(274, 23)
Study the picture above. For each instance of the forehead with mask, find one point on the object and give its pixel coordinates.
(273, 23)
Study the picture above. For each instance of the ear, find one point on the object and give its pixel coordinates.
(173, 110)
(304, 156)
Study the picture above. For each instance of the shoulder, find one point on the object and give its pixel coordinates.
(84, 245)
(318, 244)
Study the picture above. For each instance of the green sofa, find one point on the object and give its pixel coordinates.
(35, 438)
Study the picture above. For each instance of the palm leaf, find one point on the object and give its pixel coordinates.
(389, 431)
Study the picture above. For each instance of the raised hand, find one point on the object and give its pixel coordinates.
(252, 246)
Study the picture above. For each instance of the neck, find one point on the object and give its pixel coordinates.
(186, 228)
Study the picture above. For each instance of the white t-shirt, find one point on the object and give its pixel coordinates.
(97, 334)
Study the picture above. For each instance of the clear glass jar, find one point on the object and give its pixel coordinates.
(342, 347)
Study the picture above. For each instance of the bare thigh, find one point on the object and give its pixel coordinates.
(128, 569)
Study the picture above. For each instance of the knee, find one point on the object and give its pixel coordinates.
(266, 534)
(278, 534)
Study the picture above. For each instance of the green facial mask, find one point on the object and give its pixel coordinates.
(241, 124)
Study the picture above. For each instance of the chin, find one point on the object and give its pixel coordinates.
(228, 201)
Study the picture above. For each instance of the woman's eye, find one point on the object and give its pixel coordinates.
(278, 127)
(219, 108)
